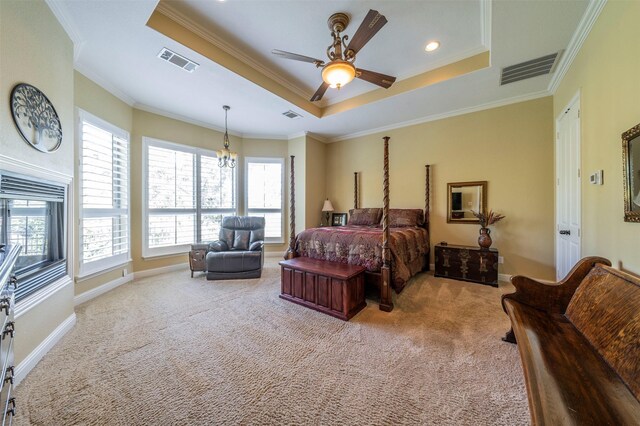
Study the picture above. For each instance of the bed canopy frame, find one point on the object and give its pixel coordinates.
(384, 277)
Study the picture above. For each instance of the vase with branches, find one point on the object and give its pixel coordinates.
(486, 219)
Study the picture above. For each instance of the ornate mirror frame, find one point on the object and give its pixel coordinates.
(462, 214)
(631, 173)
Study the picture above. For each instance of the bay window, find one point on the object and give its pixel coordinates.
(186, 195)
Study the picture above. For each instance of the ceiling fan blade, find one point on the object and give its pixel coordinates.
(320, 92)
(381, 80)
(296, 57)
(369, 27)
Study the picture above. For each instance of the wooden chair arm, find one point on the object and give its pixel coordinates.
(553, 297)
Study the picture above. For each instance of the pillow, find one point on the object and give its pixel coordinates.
(405, 217)
(366, 217)
(241, 241)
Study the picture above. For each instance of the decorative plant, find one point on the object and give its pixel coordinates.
(487, 219)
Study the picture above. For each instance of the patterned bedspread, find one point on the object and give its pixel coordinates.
(362, 245)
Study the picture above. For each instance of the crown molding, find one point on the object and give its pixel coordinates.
(170, 12)
(60, 12)
(318, 137)
(184, 119)
(104, 83)
(297, 135)
(579, 36)
(264, 136)
(485, 23)
(454, 113)
(66, 22)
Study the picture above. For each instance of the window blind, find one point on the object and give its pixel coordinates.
(265, 194)
(16, 186)
(187, 195)
(104, 170)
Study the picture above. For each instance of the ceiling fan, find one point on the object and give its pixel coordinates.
(340, 69)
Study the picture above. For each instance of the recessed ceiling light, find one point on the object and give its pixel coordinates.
(432, 45)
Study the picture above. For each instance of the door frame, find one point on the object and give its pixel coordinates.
(575, 101)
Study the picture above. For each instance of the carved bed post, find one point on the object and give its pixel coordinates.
(355, 190)
(291, 251)
(427, 212)
(427, 197)
(386, 298)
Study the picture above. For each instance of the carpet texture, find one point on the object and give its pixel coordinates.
(174, 350)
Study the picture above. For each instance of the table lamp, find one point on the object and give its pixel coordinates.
(327, 208)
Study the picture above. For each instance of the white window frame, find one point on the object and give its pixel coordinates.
(111, 262)
(277, 160)
(148, 252)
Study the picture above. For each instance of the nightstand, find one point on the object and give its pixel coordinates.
(467, 264)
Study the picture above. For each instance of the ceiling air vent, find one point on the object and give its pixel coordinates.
(291, 114)
(528, 69)
(177, 60)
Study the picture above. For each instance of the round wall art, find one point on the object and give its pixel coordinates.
(35, 118)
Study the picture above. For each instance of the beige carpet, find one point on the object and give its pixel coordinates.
(175, 350)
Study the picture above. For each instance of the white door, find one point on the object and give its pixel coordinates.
(568, 189)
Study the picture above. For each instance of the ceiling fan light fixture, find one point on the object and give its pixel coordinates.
(338, 73)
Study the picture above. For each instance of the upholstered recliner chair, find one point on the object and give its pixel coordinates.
(239, 251)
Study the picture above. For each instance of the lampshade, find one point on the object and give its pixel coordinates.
(338, 73)
(327, 207)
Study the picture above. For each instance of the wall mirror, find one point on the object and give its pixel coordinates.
(631, 173)
(462, 197)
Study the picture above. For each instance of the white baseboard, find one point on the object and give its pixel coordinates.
(95, 292)
(505, 277)
(157, 271)
(274, 254)
(41, 350)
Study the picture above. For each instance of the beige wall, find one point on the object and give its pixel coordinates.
(315, 186)
(298, 148)
(99, 102)
(34, 49)
(511, 147)
(606, 73)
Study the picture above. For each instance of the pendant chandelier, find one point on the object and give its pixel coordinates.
(226, 158)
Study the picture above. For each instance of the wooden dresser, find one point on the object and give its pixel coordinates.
(467, 263)
(8, 257)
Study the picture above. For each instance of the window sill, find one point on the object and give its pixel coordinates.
(161, 256)
(87, 275)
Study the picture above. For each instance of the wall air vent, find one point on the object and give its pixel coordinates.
(291, 114)
(528, 69)
(177, 60)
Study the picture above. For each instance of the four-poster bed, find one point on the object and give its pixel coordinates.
(392, 246)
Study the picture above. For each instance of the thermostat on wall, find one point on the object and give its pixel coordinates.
(596, 178)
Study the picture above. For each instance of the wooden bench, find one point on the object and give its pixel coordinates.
(333, 288)
(579, 343)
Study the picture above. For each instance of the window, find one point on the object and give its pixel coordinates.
(186, 196)
(104, 195)
(264, 194)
